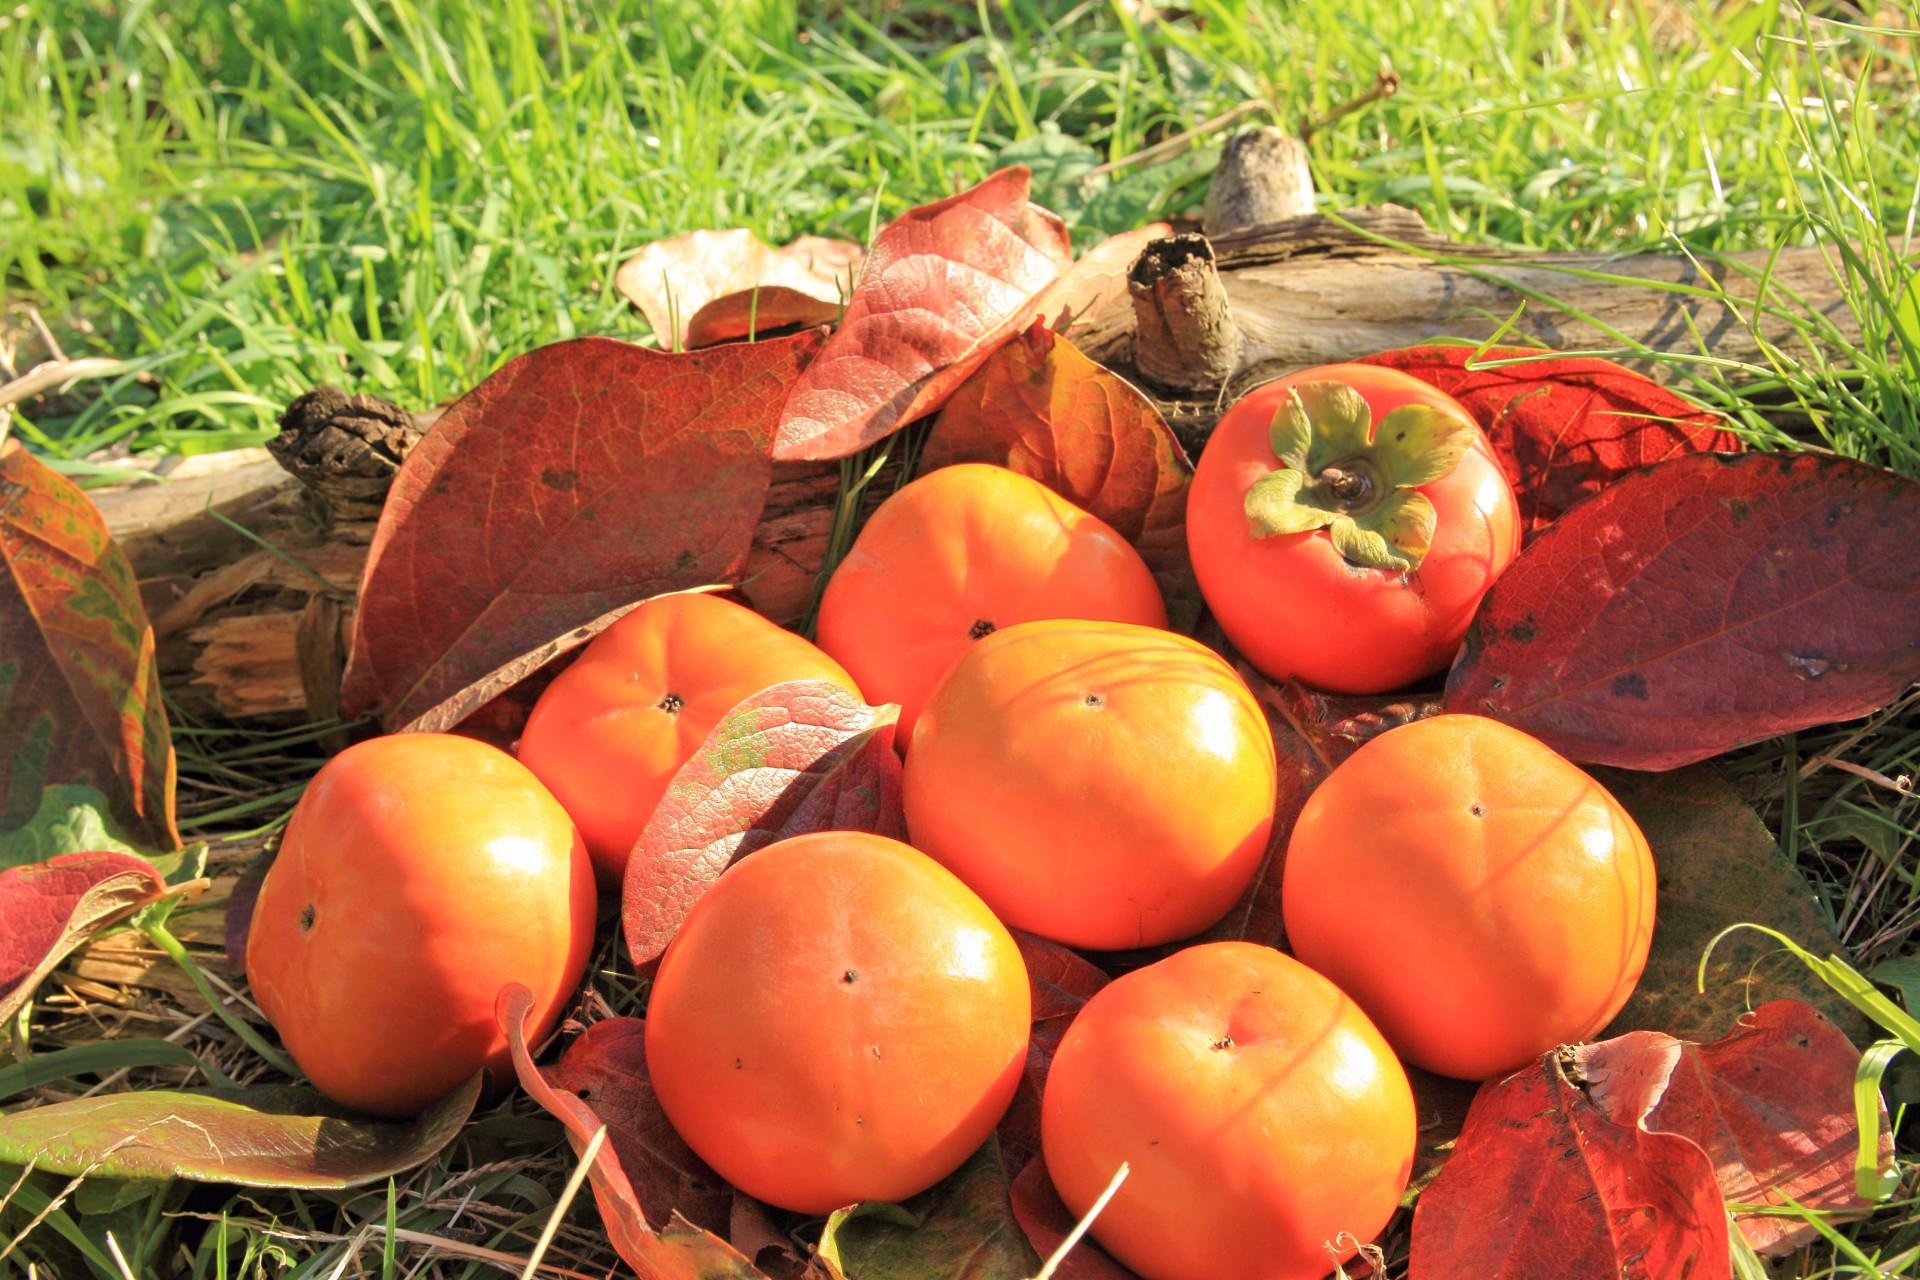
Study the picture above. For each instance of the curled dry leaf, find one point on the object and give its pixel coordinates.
(1771, 1104)
(606, 1068)
(578, 478)
(1718, 866)
(49, 908)
(1701, 604)
(796, 757)
(1059, 981)
(678, 1251)
(715, 286)
(1564, 427)
(1040, 408)
(275, 1136)
(945, 285)
(1543, 1183)
(1046, 1223)
(79, 690)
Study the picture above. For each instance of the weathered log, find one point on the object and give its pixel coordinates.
(252, 609)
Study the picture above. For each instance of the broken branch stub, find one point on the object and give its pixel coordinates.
(1184, 335)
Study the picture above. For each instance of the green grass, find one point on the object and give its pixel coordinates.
(244, 199)
(239, 200)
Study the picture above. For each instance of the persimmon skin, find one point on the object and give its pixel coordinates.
(1261, 1113)
(1100, 784)
(610, 732)
(1509, 899)
(861, 1050)
(420, 873)
(1293, 605)
(959, 553)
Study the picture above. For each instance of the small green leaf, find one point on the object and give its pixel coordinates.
(963, 1226)
(1417, 444)
(69, 819)
(1407, 521)
(1340, 419)
(1291, 434)
(1365, 547)
(1275, 505)
(1902, 973)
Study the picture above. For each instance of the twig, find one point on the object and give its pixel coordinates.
(1059, 1255)
(1167, 148)
(49, 374)
(1901, 785)
(1386, 83)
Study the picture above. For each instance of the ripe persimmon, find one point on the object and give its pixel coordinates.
(963, 552)
(1101, 784)
(420, 873)
(610, 732)
(1268, 1128)
(1483, 898)
(1344, 523)
(839, 1019)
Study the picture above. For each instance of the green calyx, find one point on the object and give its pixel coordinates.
(1359, 484)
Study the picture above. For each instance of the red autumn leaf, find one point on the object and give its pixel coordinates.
(1542, 1183)
(678, 1251)
(79, 690)
(1040, 408)
(714, 286)
(49, 908)
(1701, 604)
(1771, 1104)
(606, 1068)
(945, 285)
(578, 478)
(1564, 427)
(796, 757)
(1045, 1221)
(1059, 981)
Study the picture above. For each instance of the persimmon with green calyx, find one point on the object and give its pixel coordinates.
(1344, 523)
(1268, 1128)
(1482, 897)
(419, 874)
(838, 1020)
(1099, 784)
(610, 732)
(963, 552)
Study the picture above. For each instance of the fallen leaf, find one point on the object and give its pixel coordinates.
(54, 906)
(961, 1229)
(606, 1068)
(796, 757)
(578, 478)
(241, 900)
(1701, 604)
(69, 819)
(679, 1251)
(1717, 866)
(1542, 1183)
(946, 283)
(1564, 427)
(1047, 1222)
(79, 690)
(274, 1136)
(1059, 982)
(1040, 408)
(1771, 1104)
(714, 286)
(753, 1230)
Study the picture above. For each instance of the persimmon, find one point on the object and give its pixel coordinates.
(610, 732)
(1483, 898)
(1344, 523)
(1268, 1127)
(859, 1048)
(1098, 783)
(419, 874)
(963, 552)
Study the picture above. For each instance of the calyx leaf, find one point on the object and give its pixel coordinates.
(1359, 484)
